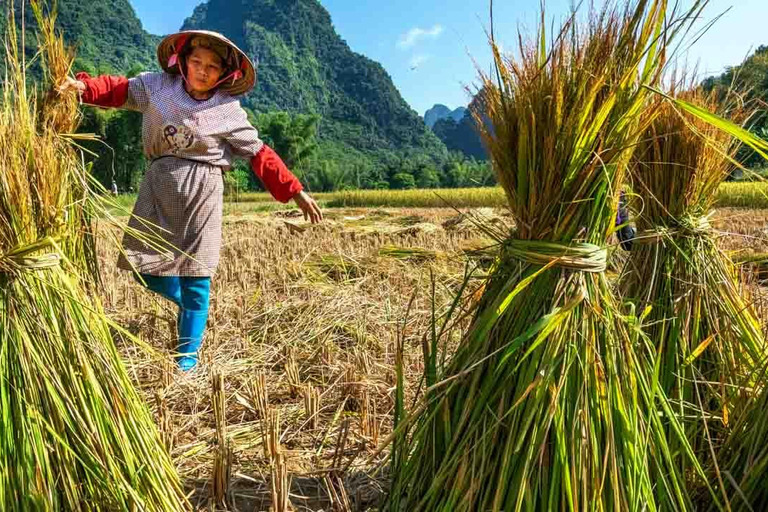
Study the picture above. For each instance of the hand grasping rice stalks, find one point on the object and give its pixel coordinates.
(705, 333)
(546, 405)
(74, 433)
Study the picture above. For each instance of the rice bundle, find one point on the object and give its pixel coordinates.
(743, 457)
(74, 433)
(546, 405)
(707, 336)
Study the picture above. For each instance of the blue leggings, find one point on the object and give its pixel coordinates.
(190, 293)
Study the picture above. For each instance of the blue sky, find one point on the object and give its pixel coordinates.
(440, 38)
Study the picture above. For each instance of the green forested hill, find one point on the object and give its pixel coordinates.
(367, 134)
(106, 33)
(304, 66)
(461, 136)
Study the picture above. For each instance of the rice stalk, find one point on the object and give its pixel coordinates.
(222, 462)
(74, 433)
(550, 403)
(743, 457)
(705, 333)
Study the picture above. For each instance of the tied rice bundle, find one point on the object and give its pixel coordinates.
(74, 433)
(548, 402)
(697, 316)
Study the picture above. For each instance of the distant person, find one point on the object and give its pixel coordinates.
(193, 126)
(114, 188)
(626, 233)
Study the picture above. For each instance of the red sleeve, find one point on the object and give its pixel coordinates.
(105, 90)
(272, 171)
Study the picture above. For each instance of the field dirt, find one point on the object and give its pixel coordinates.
(303, 330)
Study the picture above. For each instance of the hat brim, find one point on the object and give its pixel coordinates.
(168, 46)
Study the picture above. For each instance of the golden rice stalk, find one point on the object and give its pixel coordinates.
(743, 457)
(74, 433)
(705, 332)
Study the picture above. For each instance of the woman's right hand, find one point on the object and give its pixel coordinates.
(70, 84)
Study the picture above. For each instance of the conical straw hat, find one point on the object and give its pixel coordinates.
(236, 61)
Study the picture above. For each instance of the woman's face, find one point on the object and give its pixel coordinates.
(203, 69)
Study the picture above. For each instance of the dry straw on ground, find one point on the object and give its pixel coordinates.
(268, 306)
(281, 323)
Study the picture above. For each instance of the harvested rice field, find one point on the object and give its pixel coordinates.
(299, 355)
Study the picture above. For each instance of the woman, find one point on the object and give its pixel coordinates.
(193, 126)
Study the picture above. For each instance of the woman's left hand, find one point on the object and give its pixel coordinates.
(309, 207)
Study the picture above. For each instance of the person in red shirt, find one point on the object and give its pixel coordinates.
(193, 127)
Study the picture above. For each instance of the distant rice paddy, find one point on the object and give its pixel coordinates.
(731, 195)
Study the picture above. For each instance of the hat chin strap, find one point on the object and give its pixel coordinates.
(173, 60)
(235, 76)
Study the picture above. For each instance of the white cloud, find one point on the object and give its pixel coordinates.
(418, 60)
(411, 37)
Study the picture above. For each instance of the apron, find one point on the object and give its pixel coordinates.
(178, 216)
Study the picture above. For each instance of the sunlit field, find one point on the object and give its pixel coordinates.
(734, 194)
(310, 317)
